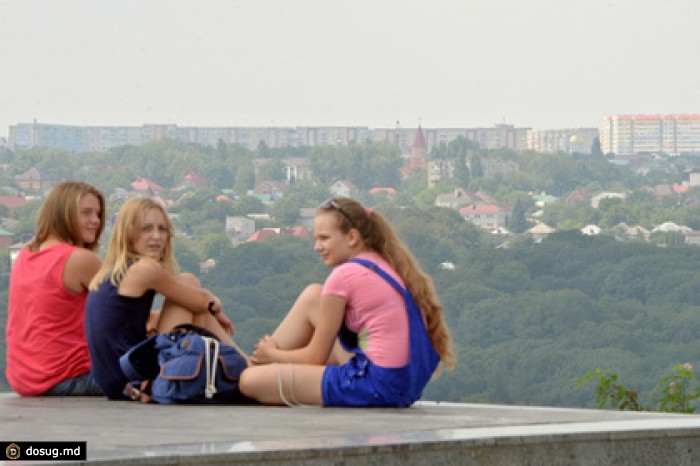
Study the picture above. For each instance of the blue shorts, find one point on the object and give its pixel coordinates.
(361, 383)
(82, 385)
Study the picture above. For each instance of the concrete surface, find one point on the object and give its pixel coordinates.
(124, 432)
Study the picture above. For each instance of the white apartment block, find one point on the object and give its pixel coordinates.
(624, 135)
(439, 170)
(569, 141)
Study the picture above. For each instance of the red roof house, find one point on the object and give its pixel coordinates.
(12, 202)
(143, 184)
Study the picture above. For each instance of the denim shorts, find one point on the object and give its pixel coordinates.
(82, 385)
(361, 383)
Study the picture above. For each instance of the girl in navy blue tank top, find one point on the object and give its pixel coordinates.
(139, 264)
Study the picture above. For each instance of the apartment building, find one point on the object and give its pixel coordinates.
(624, 135)
(569, 141)
(81, 139)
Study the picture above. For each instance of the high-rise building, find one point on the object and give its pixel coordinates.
(624, 135)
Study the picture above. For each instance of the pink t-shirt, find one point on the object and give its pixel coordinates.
(46, 341)
(374, 310)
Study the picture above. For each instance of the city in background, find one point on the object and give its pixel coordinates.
(619, 135)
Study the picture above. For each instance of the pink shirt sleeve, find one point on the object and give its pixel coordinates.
(373, 308)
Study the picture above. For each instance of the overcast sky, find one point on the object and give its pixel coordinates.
(444, 63)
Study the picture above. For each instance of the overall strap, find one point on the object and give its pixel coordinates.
(423, 357)
(372, 266)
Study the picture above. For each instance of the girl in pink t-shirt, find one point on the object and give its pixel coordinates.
(351, 340)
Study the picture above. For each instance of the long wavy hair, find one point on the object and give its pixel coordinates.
(121, 253)
(378, 235)
(59, 216)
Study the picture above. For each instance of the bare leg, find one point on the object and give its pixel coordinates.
(173, 315)
(152, 323)
(298, 326)
(263, 383)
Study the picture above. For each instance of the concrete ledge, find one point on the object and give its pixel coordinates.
(428, 433)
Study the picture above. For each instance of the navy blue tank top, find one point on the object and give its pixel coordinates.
(113, 324)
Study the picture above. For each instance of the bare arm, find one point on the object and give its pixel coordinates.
(80, 267)
(319, 347)
(147, 274)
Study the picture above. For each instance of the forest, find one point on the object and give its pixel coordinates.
(528, 318)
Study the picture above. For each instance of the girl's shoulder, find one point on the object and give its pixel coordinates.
(350, 269)
(81, 258)
(376, 259)
(82, 252)
(142, 274)
(145, 267)
(381, 263)
(146, 264)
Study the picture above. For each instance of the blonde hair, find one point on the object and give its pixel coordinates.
(59, 215)
(378, 235)
(121, 253)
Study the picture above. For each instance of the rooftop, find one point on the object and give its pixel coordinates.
(127, 432)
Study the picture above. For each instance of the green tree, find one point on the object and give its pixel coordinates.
(272, 170)
(285, 211)
(518, 220)
(244, 178)
(462, 171)
(475, 165)
(185, 254)
(248, 205)
(212, 245)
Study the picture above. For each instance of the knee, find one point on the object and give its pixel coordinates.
(246, 382)
(314, 288)
(312, 292)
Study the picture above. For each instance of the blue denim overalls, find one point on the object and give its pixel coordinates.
(359, 382)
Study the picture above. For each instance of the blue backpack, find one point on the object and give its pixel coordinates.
(186, 365)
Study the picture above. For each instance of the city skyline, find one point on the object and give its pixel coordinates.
(542, 64)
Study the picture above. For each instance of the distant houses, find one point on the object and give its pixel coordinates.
(32, 179)
(147, 186)
(264, 233)
(343, 188)
(269, 191)
(486, 216)
(478, 208)
(12, 202)
(192, 180)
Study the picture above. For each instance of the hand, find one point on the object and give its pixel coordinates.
(214, 305)
(225, 322)
(263, 351)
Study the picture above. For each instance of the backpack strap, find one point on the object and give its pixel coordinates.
(211, 363)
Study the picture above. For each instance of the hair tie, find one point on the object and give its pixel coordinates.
(368, 211)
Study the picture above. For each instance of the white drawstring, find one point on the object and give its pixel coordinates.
(211, 365)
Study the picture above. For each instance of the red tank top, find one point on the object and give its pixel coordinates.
(46, 341)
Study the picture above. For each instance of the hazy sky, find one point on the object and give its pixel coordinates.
(444, 63)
